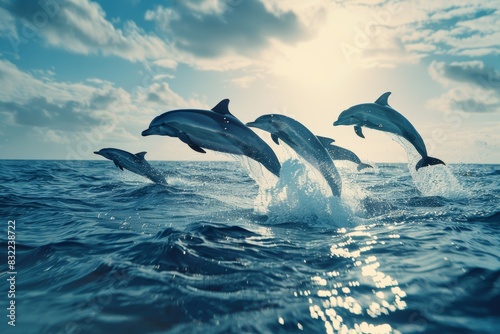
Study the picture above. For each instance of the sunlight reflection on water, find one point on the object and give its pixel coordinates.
(340, 297)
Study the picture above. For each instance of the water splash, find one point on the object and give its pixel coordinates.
(299, 194)
(436, 180)
(354, 192)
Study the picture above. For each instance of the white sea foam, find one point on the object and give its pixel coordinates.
(436, 180)
(299, 194)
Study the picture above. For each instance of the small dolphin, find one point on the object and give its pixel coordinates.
(340, 153)
(302, 141)
(381, 116)
(217, 130)
(133, 162)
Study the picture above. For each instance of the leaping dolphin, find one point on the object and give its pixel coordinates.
(302, 141)
(216, 130)
(133, 162)
(340, 153)
(381, 116)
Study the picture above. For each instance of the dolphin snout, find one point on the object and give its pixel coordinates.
(342, 121)
(97, 152)
(258, 125)
(146, 132)
(263, 125)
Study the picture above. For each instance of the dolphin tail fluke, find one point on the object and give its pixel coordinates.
(428, 161)
(363, 166)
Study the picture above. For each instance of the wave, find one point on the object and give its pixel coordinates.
(123, 254)
(493, 217)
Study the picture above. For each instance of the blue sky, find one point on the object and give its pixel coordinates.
(79, 75)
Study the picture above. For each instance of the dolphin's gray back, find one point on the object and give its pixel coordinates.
(387, 119)
(408, 131)
(340, 153)
(223, 133)
(381, 116)
(308, 146)
(137, 165)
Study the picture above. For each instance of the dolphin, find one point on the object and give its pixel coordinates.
(216, 130)
(381, 116)
(302, 141)
(132, 162)
(340, 153)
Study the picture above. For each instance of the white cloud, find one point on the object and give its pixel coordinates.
(7, 24)
(376, 35)
(465, 28)
(53, 136)
(453, 12)
(472, 72)
(166, 63)
(223, 35)
(43, 102)
(81, 26)
(244, 81)
(384, 34)
(80, 117)
(159, 95)
(472, 86)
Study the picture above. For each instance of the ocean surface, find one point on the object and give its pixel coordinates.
(226, 247)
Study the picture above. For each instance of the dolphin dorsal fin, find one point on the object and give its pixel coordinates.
(382, 100)
(325, 141)
(141, 155)
(222, 107)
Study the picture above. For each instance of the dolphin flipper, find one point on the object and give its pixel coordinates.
(197, 148)
(117, 164)
(358, 131)
(428, 161)
(185, 138)
(275, 138)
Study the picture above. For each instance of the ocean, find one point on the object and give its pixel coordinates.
(226, 247)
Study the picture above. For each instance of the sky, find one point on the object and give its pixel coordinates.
(79, 75)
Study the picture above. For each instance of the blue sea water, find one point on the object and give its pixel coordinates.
(227, 248)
